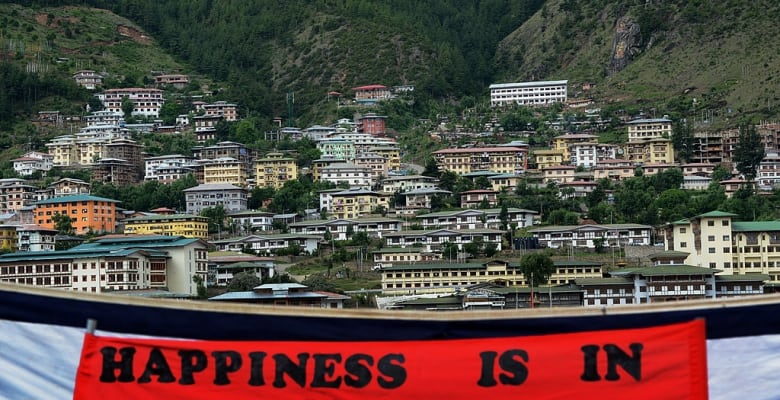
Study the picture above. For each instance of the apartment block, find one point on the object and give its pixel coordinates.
(539, 93)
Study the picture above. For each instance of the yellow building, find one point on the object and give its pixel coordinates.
(64, 150)
(408, 278)
(354, 203)
(714, 240)
(563, 143)
(225, 170)
(649, 129)
(650, 151)
(8, 238)
(391, 153)
(274, 170)
(548, 158)
(502, 160)
(190, 226)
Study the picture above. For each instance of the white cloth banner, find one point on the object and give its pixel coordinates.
(39, 361)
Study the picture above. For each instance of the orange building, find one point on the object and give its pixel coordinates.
(87, 213)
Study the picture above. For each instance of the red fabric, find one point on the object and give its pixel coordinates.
(665, 362)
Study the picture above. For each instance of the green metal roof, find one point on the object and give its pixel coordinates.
(575, 263)
(755, 226)
(668, 254)
(743, 278)
(419, 266)
(661, 270)
(604, 281)
(76, 197)
(717, 214)
(391, 250)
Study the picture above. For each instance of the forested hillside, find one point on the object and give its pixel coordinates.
(654, 53)
(266, 49)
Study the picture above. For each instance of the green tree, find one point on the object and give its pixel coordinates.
(682, 140)
(216, 216)
(127, 107)
(62, 223)
(720, 173)
(243, 281)
(537, 265)
(749, 151)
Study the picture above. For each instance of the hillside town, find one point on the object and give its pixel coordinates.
(388, 210)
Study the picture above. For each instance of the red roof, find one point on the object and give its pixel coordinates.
(334, 94)
(370, 87)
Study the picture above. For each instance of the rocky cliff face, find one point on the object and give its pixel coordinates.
(625, 46)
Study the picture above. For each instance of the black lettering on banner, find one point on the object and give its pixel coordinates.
(256, 368)
(487, 378)
(110, 364)
(391, 366)
(157, 365)
(191, 361)
(632, 364)
(590, 371)
(324, 369)
(286, 366)
(615, 357)
(225, 362)
(511, 363)
(358, 371)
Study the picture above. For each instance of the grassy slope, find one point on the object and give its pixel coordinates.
(83, 38)
(731, 60)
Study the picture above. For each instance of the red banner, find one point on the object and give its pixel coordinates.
(666, 362)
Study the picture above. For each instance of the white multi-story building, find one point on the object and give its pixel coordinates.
(113, 264)
(104, 117)
(33, 161)
(354, 175)
(404, 183)
(431, 240)
(587, 236)
(528, 93)
(232, 198)
(146, 102)
(584, 154)
(476, 219)
(338, 228)
(35, 238)
(166, 169)
(252, 220)
(768, 174)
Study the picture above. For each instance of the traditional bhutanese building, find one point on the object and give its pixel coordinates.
(502, 160)
(186, 225)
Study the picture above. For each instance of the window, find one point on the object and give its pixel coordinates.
(725, 222)
(710, 223)
(712, 265)
(711, 250)
(726, 238)
(711, 238)
(683, 230)
(683, 244)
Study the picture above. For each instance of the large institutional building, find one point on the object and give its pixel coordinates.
(528, 93)
(714, 240)
(113, 263)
